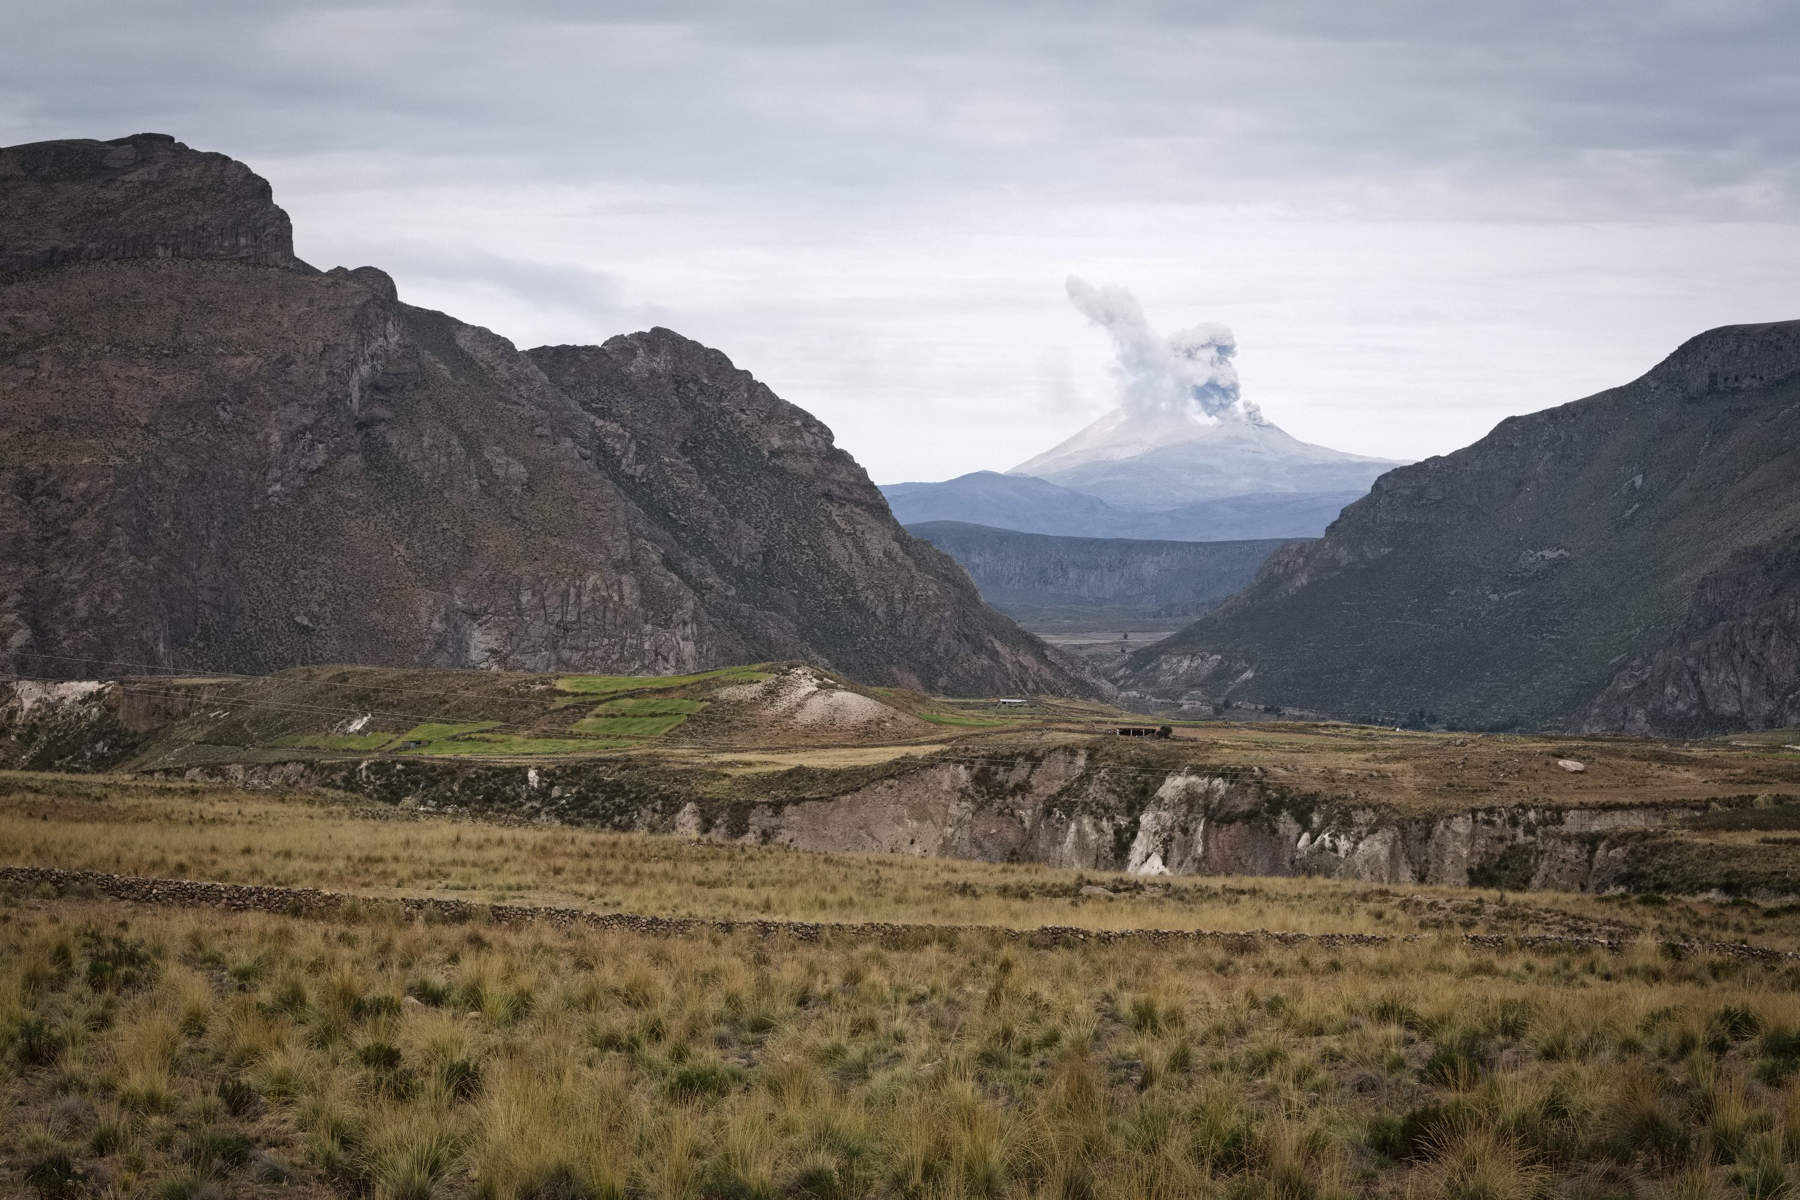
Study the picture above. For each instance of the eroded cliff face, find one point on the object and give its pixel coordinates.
(1081, 806)
(1734, 663)
(146, 196)
(81, 724)
(217, 458)
(75, 726)
(1062, 808)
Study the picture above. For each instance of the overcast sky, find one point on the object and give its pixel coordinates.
(1417, 217)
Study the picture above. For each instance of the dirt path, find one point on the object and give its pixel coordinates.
(316, 903)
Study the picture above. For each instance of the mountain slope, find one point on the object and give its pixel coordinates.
(779, 527)
(1733, 663)
(1084, 584)
(219, 458)
(1002, 502)
(1515, 581)
(1030, 505)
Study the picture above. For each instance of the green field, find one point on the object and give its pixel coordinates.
(645, 726)
(962, 722)
(649, 706)
(599, 685)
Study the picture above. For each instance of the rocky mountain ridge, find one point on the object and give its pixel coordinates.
(221, 459)
(1619, 562)
(1733, 663)
(146, 196)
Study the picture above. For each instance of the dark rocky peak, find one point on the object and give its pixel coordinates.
(144, 196)
(375, 279)
(1522, 452)
(1732, 358)
(662, 350)
(1505, 584)
(211, 462)
(679, 388)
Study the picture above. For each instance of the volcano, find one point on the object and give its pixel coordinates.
(1182, 455)
(1167, 458)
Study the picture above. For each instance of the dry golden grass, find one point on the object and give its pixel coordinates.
(184, 1054)
(1438, 772)
(147, 827)
(178, 1054)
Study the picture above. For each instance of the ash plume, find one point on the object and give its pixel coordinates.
(1187, 372)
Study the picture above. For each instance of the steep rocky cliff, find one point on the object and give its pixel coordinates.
(219, 458)
(1075, 807)
(1049, 583)
(1628, 546)
(147, 196)
(1733, 663)
(1500, 811)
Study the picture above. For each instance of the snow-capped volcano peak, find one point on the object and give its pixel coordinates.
(1122, 433)
(1182, 431)
(1166, 459)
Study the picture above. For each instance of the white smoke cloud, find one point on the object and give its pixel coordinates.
(1186, 372)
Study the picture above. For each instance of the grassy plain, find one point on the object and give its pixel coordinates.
(179, 1054)
(195, 1055)
(310, 712)
(185, 830)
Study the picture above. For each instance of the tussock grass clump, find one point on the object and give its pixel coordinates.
(204, 1053)
(577, 1065)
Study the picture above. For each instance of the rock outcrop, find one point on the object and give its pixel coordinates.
(1066, 808)
(219, 458)
(1097, 805)
(1594, 564)
(1734, 662)
(147, 196)
(78, 725)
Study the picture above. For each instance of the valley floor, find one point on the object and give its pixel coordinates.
(151, 1048)
(1105, 647)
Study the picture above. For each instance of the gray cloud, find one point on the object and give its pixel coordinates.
(874, 204)
(554, 285)
(1681, 107)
